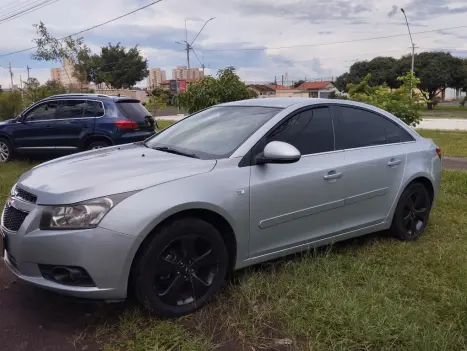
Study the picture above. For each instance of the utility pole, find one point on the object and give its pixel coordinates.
(28, 71)
(11, 76)
(413, 50)
(189, 46)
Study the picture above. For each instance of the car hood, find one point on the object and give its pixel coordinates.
(3, 123)
(107, 171)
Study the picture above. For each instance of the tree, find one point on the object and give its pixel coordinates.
(87, 68)
(50, 48)
(298, 83)
(436, 72)
(121, 68)
(33, 91)
(157, 100)
(342, 81)
(209, 91)
(399, 102)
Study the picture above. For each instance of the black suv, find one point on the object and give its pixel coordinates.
(75, 122)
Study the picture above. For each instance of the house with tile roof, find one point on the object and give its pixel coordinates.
(318, 89)
(263, 90)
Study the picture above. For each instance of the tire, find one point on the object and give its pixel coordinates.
(6, 151)
(412, 213)
(181, 268)
(98, 145)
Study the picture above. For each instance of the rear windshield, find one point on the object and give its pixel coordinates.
(133, 110)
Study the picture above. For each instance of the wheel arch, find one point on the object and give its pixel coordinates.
(210, 216)
(7, 138)
(95, 137)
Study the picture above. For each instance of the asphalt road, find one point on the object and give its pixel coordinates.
(35, 320)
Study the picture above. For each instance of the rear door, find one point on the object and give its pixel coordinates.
(74, 120)
(375, 160)
(36, 127)
(135, 111)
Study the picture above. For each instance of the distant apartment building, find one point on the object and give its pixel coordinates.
(64, 75)
(182, 73)
(156, 77)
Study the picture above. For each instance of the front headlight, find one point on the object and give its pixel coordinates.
(83, 215)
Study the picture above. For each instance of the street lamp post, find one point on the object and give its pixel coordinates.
(413, 49)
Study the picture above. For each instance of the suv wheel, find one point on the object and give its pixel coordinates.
(181, 268)
(97, 145)
(412, 213)
(6, 151)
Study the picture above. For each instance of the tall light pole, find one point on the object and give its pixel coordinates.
(188, 46)
(413, 50)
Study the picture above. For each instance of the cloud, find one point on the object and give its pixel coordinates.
(242, 33)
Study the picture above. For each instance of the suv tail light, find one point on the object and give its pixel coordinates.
(126, 124)
(438, 152)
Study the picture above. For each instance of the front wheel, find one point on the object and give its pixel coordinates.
(181, 268)
(6, 151)
(412, 213)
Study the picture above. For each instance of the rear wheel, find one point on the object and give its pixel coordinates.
(6, 151)
(412, 213)
(98, 145)
(181, 268)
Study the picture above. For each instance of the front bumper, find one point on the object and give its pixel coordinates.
(104, 254)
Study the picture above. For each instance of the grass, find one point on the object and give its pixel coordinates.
(373, 293)
(446, 108)
(452, 143)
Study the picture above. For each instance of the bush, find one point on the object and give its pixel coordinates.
(11, 104)
(398, 101)
(463, 101)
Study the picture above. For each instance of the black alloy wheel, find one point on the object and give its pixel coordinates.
(412, 212)
(182, 267)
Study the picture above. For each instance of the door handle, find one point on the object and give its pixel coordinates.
(331, 175)
(394, 162)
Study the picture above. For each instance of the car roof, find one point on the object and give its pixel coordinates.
(90, 96)
(284, 102)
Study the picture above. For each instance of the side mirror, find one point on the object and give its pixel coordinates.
(278, 152)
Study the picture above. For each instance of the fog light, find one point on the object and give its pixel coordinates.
(67, 275)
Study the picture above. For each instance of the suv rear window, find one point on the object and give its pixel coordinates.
(133, 110)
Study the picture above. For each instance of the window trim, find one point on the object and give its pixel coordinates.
(336, 116)
(248, 159)
(61, 119)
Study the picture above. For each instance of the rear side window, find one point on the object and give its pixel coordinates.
(360, 128)
(310, 131)
(133, 110)
(70, 109)
(93, 109)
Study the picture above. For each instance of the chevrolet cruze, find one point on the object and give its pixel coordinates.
(227, 187)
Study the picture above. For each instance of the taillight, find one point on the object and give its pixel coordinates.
(126, 124)
(438, 152)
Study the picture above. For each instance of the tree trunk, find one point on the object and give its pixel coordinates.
(429, 105)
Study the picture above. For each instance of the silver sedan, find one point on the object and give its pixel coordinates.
(227, 187)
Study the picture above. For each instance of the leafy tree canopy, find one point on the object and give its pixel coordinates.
(209, 91)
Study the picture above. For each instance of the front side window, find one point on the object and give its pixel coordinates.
(71, 109)
(361, 128)
(310, 131)
(214, 133)
(43, 112)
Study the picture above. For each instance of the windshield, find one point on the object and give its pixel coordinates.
(214, 133)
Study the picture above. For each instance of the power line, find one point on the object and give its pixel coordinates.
(91, 28)
(27, 11)
(331, 43)
(14, 5)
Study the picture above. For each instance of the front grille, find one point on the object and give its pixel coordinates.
(13, 218)
(24, 195)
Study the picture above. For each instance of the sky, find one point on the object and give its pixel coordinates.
(263, 39)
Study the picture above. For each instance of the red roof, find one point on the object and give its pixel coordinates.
(314, 85)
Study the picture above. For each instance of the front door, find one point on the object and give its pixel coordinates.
(375, 159)
(292, 204)
(36, 127)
